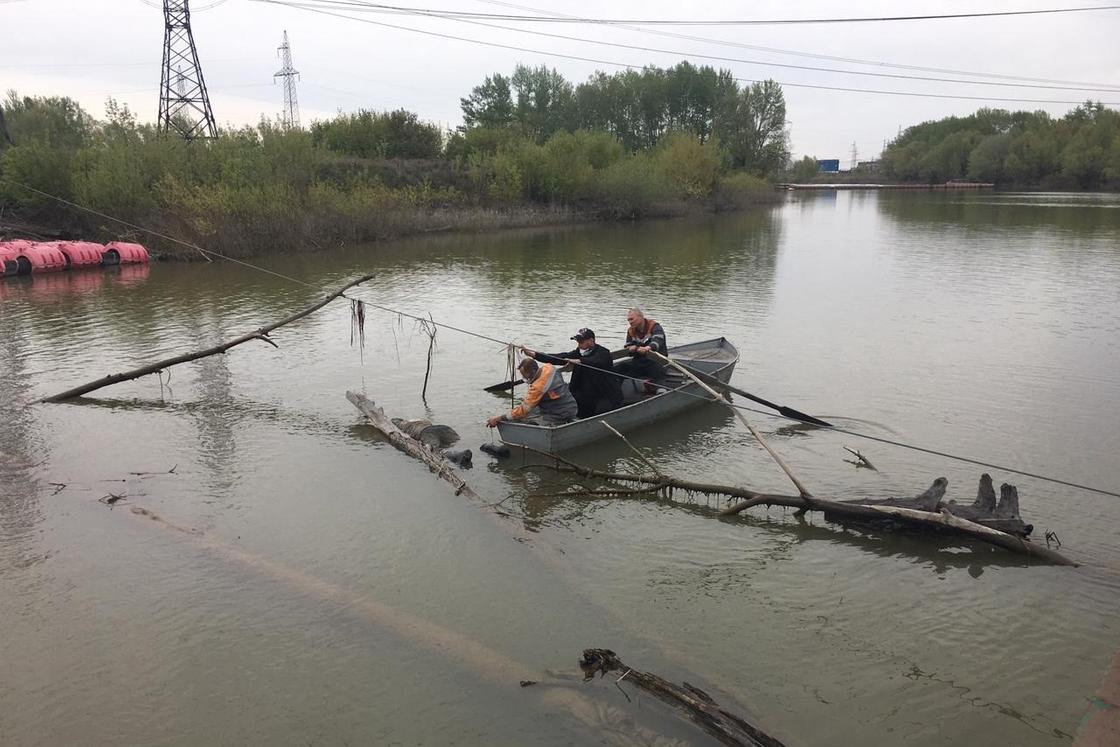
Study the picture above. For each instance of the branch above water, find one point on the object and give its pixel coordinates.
(151, 368)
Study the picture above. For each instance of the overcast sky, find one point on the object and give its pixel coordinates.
(94, 49)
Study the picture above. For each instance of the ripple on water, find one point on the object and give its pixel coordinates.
(949, 325)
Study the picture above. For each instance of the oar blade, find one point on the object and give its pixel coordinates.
(505, 386)
(789, 412)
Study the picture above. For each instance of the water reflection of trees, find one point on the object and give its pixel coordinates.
(1078, 214)
(216, 421)
(22, 451)
(671, 261)
(135, 318)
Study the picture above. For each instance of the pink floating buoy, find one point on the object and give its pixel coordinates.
(124, 253)
(81, 253)
(9, 254)
(42, 256)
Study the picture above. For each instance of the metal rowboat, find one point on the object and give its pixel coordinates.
(716, 358)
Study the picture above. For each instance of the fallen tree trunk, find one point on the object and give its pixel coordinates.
(1002, 516)
(694, 703)
(411, 446)
(939, 518)
(259, 334)
(489, 665)
(942, 519)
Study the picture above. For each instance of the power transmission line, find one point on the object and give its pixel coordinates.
(146, 63)
(614, 63)
(360, 5)
(399, 9)
(820, 56)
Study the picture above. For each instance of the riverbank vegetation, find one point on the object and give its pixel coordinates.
(1013, 149)
(533, 149)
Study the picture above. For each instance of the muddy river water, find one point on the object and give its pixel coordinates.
(295, 580)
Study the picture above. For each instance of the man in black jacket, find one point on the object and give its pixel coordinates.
(595, 387)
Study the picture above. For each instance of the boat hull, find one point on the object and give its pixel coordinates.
(714, 357)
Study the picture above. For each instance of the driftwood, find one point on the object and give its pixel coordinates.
(694, 703)
(860, 460)
(411, 446)
(941, 519)
(1003, 516)
(928, 511)
(259, 334)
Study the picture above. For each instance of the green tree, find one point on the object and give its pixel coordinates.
(804, 170)
(1086, 154)
(367, 134)
(754, 131)
(489, 105)
(1022, 148)
(55, 121)
(985, 162)
(543, 101)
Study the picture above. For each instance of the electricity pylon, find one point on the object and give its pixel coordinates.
(184, 105)
(290, 115)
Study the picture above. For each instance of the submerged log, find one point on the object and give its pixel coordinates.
(942, 520)
(694, 703)
(984, 510)
(411, 446)
(258, 334)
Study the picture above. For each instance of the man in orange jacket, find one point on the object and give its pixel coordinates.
(548, 395)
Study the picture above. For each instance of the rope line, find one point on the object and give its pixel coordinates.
(509, 346)
(745, 408)
(196, 247)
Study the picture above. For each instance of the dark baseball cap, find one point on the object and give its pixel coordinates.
(583, 334)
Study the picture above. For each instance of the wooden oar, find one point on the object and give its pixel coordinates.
(805, 494)
(505, 386)
(789, 412)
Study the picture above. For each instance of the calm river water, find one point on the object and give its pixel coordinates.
(297, 580)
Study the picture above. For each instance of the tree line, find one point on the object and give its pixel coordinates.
(533, 146)
(639, 108)
(1080, 150)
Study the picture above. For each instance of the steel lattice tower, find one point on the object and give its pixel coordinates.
(184, 105)
(290, 115)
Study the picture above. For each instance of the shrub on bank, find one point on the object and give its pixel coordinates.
(635, 187)
(740, 190)
(690, 165)
(264, 188)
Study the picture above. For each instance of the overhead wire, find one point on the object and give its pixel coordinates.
(399, 9)
(614, 63)
(199, 9)
(821, 56)
(360, 5)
